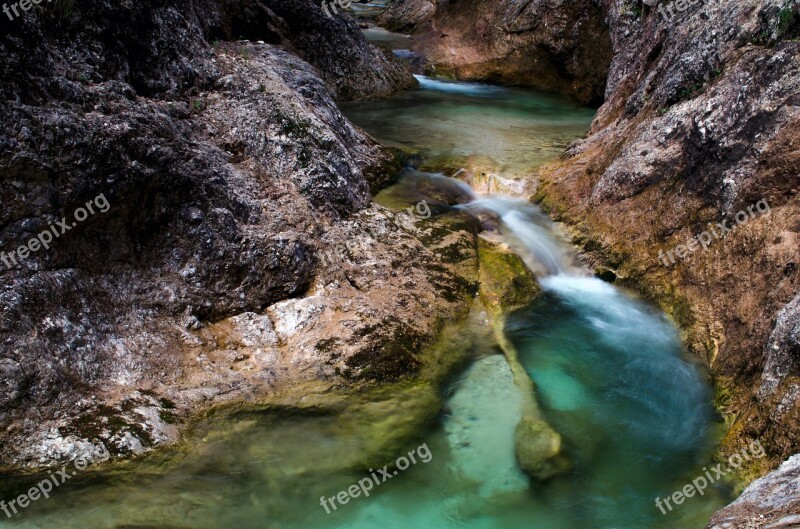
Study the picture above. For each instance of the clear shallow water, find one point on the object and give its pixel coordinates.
(514, 130)
(387, 39)
(634, 416)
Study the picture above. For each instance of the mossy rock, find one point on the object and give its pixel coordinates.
(386, 426)
(538, 449)
(506, 282)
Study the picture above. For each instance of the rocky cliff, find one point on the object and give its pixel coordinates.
(686, 186)
(214, 235)
(699, 125)
(563, 47)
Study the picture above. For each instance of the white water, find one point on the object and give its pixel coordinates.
(470, 89)
(610, 371)
(531, 234)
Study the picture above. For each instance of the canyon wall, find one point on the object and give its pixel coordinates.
(564, 48)
(232, 232)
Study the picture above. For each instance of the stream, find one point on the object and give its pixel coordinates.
(611, 375)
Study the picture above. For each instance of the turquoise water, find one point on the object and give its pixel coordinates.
(610, 372)
(634, 415)
(514, 130)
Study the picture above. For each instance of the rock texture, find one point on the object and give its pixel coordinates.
(240, 251)
(561, 47)
(700, 124)
(772, 502)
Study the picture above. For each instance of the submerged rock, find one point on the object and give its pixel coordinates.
(538, 449)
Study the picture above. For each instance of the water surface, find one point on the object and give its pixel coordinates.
(514, 130)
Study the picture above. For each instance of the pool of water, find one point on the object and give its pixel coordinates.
(514, 130)
(634, 413)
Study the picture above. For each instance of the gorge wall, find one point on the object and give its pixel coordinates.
(234, 233)
(563, 47)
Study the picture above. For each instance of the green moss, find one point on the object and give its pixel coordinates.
(723, 393)
(388, 419)
(505, 281)
(390, 358)
(682, 312)
(107, 420)
(168, 417)
(538, 449)
(299, 129)
(387, 171)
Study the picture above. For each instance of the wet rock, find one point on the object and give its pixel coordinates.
(538, 449)
(506, 283)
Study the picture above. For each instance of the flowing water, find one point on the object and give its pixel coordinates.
(610, 372)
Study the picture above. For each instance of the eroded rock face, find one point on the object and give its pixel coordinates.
(228, 175)
(561, 47)
(782, 352)
(772, 502)
(334, 45)
(700, 124)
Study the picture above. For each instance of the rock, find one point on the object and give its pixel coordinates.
(782, 351)
(564, 48)
(228, 172)
(772, 502)
(506, 283)
(699, 124)
(538, 449)
(408, 15)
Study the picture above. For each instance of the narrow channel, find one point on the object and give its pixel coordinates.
(610, 372)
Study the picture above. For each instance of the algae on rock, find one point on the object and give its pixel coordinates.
(506, 283)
